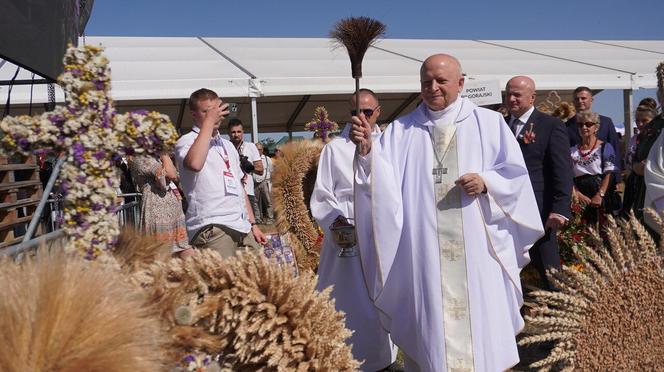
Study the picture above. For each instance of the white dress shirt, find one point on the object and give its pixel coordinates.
(522, 120)
(267, 170)
(208, 200)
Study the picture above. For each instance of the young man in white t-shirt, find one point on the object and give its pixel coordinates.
(250, 164)
(263, 189)
(218, 215)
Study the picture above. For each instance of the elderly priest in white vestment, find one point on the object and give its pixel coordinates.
(446, 215)
(331, 200)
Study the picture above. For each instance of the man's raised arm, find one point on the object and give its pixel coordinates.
(213, 114)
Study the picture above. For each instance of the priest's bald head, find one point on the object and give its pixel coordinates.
(520, 95)
(441, 81)
(369, 105)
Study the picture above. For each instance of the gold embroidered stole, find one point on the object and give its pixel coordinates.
(453, 278)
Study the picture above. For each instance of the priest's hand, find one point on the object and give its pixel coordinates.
(471, 183)
(360, 133)
(554, 221)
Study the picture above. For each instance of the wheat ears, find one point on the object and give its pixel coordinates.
(609, 315)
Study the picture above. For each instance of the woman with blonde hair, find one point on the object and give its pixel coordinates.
(593, 163)
(637, 151)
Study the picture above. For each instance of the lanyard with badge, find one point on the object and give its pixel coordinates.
(229, 179)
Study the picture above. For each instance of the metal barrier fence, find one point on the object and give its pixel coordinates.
(129, 212)
(52, 216)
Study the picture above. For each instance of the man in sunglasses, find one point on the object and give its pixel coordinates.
(445, 217)
(332, 202)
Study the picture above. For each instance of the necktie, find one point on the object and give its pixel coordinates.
(515, 125)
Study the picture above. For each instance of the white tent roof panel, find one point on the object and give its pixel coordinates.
(149, 68)
(489, 60)
(161, 72)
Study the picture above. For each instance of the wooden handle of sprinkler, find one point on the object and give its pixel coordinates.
(360, 149)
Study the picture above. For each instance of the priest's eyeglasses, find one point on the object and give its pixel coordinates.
(367, 112)
(588, 124)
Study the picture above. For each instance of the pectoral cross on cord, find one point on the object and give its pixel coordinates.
(438, 174)
(438, 171)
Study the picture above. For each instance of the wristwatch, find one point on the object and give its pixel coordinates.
(601, 193)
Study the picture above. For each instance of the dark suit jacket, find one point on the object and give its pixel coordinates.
(607, 133)
(549, 164)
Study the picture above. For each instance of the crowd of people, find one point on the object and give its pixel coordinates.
(448, 203)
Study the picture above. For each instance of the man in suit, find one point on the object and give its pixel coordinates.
(546, 151)
(583, 101)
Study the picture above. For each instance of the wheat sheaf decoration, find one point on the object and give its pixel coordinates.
(292, 182)
(554, 105)
(136, 251)
(660, 75)
(609, 316)
(60, 313)
(247, 314)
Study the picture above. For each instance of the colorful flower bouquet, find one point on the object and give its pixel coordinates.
(574, 236)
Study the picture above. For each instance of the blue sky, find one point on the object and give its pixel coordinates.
(534, 19)
(442, 19)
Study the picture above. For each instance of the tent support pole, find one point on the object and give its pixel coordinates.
(254, 121)
(628, 106)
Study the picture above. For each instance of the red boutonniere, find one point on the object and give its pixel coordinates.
(528, 136)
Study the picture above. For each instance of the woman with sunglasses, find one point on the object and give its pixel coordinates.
(593, 162)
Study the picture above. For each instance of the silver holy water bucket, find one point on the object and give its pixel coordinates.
(344, 237)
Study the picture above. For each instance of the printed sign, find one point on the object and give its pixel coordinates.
(482, 93)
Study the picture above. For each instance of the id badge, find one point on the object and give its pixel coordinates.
(231, 185)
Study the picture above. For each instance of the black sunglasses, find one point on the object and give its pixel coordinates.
(367, 112)
(588, 124)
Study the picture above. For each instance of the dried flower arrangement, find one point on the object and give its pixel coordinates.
(91, 135)
(609, 316)
(321, 124)
(292, 181)
(246, 313)
(60, 313)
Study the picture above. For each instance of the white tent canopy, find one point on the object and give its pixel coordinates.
(287, 78)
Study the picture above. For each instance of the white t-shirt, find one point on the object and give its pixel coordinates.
(267, 170)
(208, 201)
(591, 164)
(249, 150)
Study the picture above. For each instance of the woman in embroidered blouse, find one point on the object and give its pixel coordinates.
(161, 212)
(593, 162)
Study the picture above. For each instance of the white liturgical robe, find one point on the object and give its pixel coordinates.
(654, 178)
(399, 232)
(333, 196)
